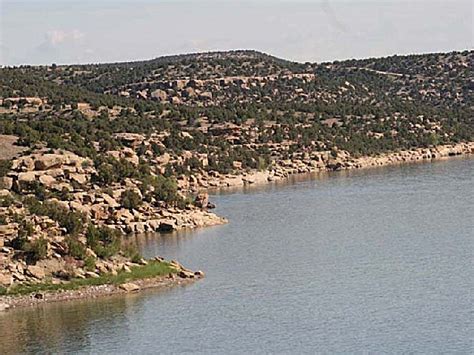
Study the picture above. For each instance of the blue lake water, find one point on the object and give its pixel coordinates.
(379, 260)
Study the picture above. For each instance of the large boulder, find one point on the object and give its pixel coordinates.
(49, 161)
(26, 177)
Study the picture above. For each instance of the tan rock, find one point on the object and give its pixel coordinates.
(36, 272)
(26, 177)
(79, 178)
(47, 180)
(91, 275)
(202, 200)
(129, 287)
(6, 279)
(110, 201)
(49, 161)
(159, 95)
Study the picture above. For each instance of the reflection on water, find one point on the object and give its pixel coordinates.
(375, 261)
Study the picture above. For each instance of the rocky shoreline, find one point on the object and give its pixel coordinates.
(181, 276)
(18, 272)
(324, 162)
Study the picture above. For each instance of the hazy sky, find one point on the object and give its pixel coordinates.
(73, 31)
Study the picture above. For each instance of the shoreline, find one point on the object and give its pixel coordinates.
(345, 162)
(89, 292)
(178, 276)
(278, 174)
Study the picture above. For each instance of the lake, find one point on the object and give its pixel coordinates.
(377, 260)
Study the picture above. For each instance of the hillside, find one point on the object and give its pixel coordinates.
(130, 147)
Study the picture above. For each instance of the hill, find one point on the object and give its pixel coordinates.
(104, 149)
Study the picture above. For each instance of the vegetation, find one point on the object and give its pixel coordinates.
(104, 241)
(151, 270)
(131, 199)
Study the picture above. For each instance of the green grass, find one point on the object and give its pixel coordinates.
(152, 269)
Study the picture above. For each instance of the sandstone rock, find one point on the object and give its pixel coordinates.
(36, 272)
(175, 100)
(47, 180)
(199, 273)
(91, 275)
(206, 95)
(202, 200)
(4, 307)
(129, 287)
(79, 178)
(167, 225)
(184, 274)
(110, 201)
(163, 159)
(159, 95)
(48, 161)
(8, 229)
(26, 177)
(189, 92)
(6, 280)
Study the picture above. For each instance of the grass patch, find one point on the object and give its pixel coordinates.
(152, 269)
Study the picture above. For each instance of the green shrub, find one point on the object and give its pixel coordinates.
(130, 200)
(5, 166)
(104, 241)
(165, 189)
(73, 222)
(6, 201)
(75, 248)
(25, 230)
(131, 252)
(89, 263)
(37, 249)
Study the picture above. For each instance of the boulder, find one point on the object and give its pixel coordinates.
(6, 280)
(167, 225)
(78, 178)
(110, 201)
(184, 274)
(4, 307)
(36, 272)
(202, 200)
(26, 177)
(129, 287)
(159, 95)
(91, 275)
(206, 95)
(199, 273)
(47, 180)
(49, 161)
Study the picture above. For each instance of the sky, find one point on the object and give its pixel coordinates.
(92, 31)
